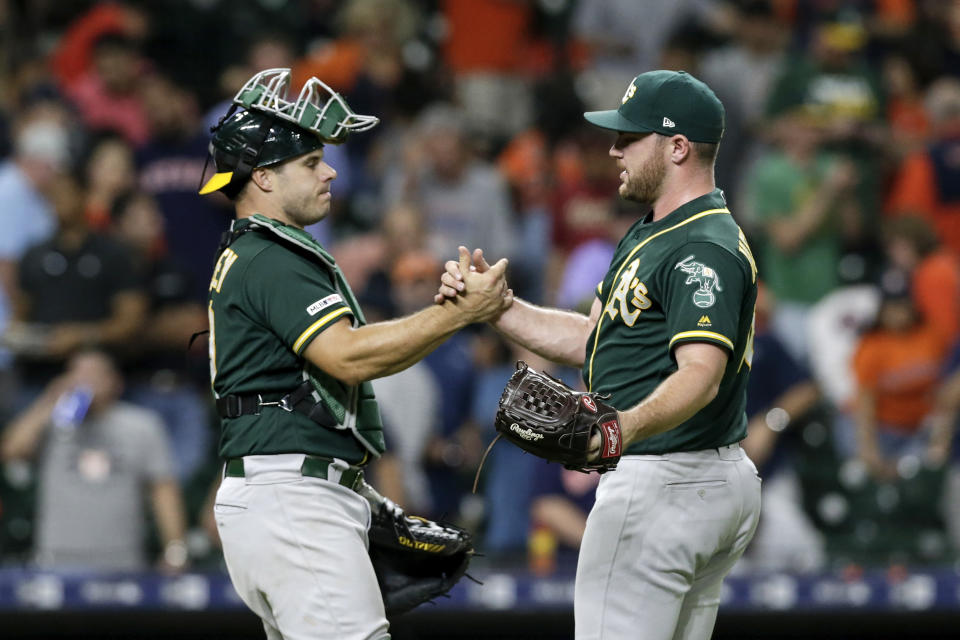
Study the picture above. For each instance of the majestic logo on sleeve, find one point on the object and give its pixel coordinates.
(706, 278)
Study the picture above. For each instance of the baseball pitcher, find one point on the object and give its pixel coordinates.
(665, 355)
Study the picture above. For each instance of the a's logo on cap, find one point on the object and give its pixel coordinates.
(632, 89)
(667, 122)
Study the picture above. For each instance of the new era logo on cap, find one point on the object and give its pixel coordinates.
(667, 122)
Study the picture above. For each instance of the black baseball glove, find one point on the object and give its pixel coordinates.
(545, 417)
(415, 559)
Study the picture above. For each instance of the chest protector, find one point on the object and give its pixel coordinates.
(349, 407)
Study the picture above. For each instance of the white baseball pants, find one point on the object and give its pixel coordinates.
(296, 551)
(663, 533)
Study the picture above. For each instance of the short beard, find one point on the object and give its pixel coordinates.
(306, 210)
(302, 215)
(645, 186)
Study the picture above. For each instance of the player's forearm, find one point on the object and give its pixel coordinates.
(381, 349)
(555, 334)
(674, 401)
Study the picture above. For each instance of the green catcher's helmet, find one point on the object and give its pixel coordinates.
(271, 128)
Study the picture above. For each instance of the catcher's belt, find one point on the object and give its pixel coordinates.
(313, 467)
(299, 400)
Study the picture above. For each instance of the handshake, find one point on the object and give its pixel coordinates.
(478, 289)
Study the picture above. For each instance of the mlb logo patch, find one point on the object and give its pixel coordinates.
(323, 303)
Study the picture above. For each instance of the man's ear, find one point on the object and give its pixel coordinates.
(263, 178)
(680, 149)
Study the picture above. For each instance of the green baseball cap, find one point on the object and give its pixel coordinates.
(668, 102)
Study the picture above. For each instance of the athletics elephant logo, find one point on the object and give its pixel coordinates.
(705, 277)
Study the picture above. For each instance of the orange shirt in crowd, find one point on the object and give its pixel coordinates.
(902, 371)
(936, 293)
(908, 121)
(338, 64)
(486, 35)
(915, 193)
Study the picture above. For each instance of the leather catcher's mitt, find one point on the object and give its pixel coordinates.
(415, 559)
(545, 417)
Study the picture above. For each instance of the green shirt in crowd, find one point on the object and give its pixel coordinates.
(778, 189)
(688, 277)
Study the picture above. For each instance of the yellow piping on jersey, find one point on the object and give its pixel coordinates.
(596, 337)
(312, 329)
(701, 334)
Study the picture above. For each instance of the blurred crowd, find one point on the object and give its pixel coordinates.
(841, 161)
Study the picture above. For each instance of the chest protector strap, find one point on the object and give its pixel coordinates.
(299, 400)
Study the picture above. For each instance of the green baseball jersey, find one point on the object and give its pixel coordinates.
(267, 302)
(689, 277)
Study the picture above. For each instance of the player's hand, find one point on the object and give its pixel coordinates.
(451, 282)
(596, 441)
(485, 295)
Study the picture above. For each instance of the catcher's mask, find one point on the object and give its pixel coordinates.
(264, 128)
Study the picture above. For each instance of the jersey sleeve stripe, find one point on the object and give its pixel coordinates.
(312, 329)
(685, 335)
(596, 335)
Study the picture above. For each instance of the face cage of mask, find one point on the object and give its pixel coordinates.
(318, 108)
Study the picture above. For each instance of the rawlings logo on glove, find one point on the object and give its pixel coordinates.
(545, 417)
(612, 432)
(526, 434)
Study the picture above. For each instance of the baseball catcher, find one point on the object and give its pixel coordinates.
(291, 360)
(415, 559)
(545, 417)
